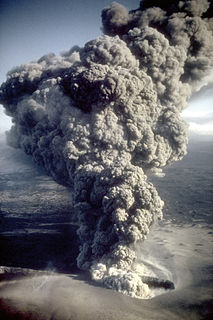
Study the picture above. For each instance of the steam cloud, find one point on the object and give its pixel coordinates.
(100, 118)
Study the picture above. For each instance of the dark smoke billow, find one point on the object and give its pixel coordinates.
(100, 118)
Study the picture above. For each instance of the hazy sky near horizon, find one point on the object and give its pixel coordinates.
(30, 29)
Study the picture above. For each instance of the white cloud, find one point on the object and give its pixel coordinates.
(200, 121)
(5, 121)
(199, 113)
(201, 129)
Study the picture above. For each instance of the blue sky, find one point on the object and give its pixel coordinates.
(30, 29)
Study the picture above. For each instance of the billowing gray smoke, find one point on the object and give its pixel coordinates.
(100, 118)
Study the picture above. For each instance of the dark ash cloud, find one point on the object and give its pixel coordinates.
(101, 117)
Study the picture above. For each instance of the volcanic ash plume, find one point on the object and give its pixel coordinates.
(100, 118)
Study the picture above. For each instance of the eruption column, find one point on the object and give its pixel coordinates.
(100, 118)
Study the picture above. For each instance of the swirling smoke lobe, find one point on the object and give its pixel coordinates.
(102, 117)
